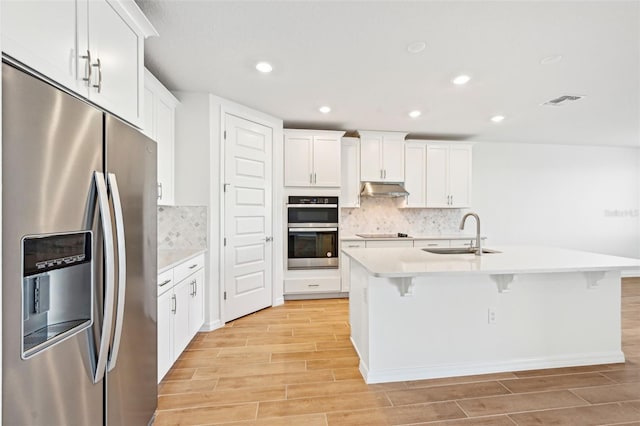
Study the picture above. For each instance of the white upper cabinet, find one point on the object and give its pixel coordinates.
(448, 175)
(415, 175)
(159, 124)
(381, 156)
(312, 158)
(350, 189)
(43, 35)
(92, 47)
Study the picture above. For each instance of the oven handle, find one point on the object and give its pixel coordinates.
(313, 229)
(312, 225)
(312, 206)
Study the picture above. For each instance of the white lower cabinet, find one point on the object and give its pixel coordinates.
(431, 243)
(180, 310)
(165, 333)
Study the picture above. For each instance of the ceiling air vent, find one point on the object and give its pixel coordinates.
(563, 100)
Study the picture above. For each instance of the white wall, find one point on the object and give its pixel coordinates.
(557, 195)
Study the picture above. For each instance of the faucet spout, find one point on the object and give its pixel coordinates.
(478, 240)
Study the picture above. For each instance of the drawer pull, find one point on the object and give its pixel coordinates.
(353, 246)
(314, 285)
(193, 266)
(165, 282)
(432, 245)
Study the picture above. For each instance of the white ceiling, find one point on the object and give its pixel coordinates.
(352, 56)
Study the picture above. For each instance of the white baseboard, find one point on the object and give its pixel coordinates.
(469, 369)
(213, 325)
(306, 296)
(279, 301)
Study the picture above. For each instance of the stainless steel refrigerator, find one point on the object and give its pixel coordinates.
(79, 261)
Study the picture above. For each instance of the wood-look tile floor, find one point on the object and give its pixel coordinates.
(294, 365)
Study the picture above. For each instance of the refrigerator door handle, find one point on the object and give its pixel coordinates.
(109, 274)
(122, 269)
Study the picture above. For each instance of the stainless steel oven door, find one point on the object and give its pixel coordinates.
(312, 248)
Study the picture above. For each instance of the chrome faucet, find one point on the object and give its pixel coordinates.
(478, 240)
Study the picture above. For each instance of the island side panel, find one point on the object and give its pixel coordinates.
(359, 313)
(442, 329)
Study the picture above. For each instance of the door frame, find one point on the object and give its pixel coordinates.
(277, 182)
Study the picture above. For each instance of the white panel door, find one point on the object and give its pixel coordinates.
(437, 193)
(182, 335)
(460, 175)
(393, 160)
(371, 159)
(165, 119)
(165, 333)
(350, 176)
(415, 174)
(196, 302)
(116, 46)
(326, 161)
(298, 160)
(42, 34)
(248, 217)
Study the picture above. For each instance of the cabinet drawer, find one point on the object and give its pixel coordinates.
(463, 243)
(353, 244)
(388, 244)
(188, 267)
(312, 285)
(431, 243)
(165, 281)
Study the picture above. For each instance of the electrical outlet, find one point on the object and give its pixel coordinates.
(491, 316)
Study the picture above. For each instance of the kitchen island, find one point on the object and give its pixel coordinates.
(418, 315)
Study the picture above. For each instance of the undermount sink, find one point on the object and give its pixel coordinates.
(457, 250)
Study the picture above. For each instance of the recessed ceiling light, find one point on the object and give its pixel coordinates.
(324, 109)
(461, 79)
(416, 47)
(415, 114)
(497, 118)
(264, 67)
(553, 59)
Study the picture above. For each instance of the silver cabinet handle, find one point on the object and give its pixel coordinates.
(313, 285)
(193, 266)
(159, 190)
(165, 282)
(353, 246)
(381, 174)
(315, 178)
(174, 308)
(193, 288)
(310, 177)
(268, 239)
(122, 269)
(385, 173)
(98, 65)
(109, 277)
(88, 58)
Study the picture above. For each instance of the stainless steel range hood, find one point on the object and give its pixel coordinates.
(382, 189)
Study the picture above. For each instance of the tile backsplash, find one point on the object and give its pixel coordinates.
(383, 215)
(182, 227)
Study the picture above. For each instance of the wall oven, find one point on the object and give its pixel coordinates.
(312, 232)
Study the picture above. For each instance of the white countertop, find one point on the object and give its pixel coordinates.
(168, 259)
(413, 262)
(413, 237)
